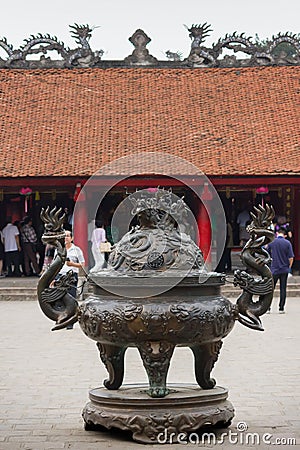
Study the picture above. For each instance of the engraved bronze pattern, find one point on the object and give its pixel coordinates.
(146, 426)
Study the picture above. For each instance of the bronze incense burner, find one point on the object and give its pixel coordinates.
(155, 295)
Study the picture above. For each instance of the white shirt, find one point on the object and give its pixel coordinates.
(9, 234)
(98, 236)
(74, 254)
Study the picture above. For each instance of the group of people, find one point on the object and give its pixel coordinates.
(23, 254)
(19, 249)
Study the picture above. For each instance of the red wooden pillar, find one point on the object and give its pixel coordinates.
(204, 224)
(80, 226)
(295, 228)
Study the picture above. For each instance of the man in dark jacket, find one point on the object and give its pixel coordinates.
(282, 259)
(29, 240)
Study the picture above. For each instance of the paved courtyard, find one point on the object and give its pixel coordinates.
(45, 377)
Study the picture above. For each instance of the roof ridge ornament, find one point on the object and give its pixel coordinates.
(260, 53)
(140, 55)
(281, 50)
(82, 56)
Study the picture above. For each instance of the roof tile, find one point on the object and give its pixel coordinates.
(225, 121)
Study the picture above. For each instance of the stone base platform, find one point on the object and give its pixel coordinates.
(152, 420)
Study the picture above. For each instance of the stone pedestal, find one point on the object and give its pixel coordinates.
(152, 420)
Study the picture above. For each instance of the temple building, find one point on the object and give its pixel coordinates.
(236, 120)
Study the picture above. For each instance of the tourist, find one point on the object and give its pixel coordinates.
(282, 259)
(29, 244)
(74, 261)
(225, 263)
(1, 255)
(243, 219)
(98, 236)
(12, 247)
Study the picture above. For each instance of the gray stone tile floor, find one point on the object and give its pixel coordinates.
(45, 378)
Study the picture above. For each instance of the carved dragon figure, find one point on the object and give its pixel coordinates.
(45, 43)
(239, 43)
(290, 38)
(160, 241)
(198, 33)
(235, 42)
(256, 257)
(6, 46)
(287, 38)
(199, 54)
(81, 56)
(55, 302)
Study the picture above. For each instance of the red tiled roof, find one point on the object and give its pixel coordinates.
(225, 121)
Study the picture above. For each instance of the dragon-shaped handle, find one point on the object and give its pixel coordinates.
(256, 258)
(55, 301)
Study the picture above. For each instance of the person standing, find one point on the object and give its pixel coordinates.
(1, 255)
(74, 261)
(282, 259)
(19, 225)
(98, 236)
(243, 219)
(12, 247)
(29, 242)
(40, 246)
(225, 264)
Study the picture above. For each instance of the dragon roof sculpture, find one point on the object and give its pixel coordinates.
(269, 52)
